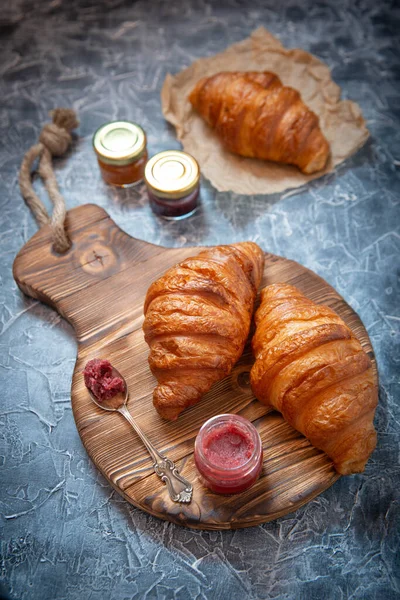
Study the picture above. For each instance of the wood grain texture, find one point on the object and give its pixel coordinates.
(99, 286)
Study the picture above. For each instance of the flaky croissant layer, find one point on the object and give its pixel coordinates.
(254, 115)
(197, 320)
(310, 367)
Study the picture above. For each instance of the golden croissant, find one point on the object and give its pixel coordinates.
(310, 367)
(256, 116)
(197, 320)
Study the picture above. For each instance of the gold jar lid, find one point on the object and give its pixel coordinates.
(119, 142)
(172, 174)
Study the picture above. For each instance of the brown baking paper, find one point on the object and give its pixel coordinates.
(341, 120)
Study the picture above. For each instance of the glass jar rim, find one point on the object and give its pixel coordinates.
(127, 145)
(172, 174)
(236, 419)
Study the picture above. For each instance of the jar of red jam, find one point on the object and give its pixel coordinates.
(228, 454)
(172, 179)
(121, 152)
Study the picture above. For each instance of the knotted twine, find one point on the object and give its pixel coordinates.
(54, 140)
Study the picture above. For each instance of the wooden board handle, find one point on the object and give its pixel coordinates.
(100, 250)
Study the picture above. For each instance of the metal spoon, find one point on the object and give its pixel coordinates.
(179, 488)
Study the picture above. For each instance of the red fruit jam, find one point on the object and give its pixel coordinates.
(228, 454)
(101, 381)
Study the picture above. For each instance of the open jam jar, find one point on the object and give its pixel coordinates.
(121, 152)
(172, 179)
(228, 454)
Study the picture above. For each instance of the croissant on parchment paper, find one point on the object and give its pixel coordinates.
(310, 367)
(256, 116)
(197, 320)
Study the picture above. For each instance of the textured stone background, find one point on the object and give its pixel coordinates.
(65, 534)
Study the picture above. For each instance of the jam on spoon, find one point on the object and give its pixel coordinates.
(101, 381)
(108, 390)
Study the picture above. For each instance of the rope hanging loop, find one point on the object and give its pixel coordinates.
(54, 140)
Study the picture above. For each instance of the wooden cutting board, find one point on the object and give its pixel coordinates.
(99, 286)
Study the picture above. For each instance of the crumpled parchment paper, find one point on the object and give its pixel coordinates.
(340, 120)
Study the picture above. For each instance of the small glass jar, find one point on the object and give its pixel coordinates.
(172, 178)
(121, 152)
(228, 454)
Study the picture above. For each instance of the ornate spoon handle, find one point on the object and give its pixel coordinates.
(179, 488)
